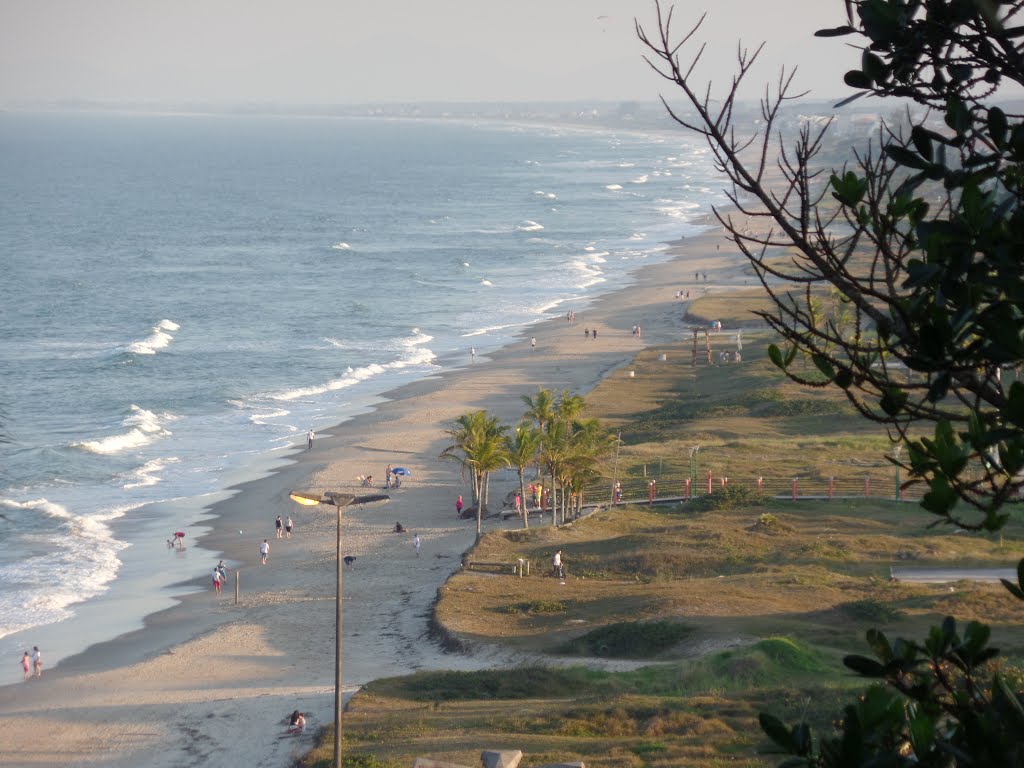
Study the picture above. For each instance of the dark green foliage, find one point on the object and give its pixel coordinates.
(938, 703)
(631, 639)
(727, 497)
(537, 606)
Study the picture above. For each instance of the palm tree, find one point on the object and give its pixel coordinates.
(541, 408)
(554, 451)
(570, 407)
(466, 430)
(484, 456)
(478, 445)
(522, 447)
(591, 443)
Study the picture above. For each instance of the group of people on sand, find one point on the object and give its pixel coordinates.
(284, 527)
(32, 664)
(220, 575)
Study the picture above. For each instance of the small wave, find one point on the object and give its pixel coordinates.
(264, 418)
(487, 283)
(529, 226)
(158, 339)
(638, 236)
(144, 426)
(147, 475)
(341, 247)
(414, 353)
(613, 187)
(639, 179)
(548, 195)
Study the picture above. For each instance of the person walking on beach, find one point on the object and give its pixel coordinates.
(309, 440)
(387, 477)
(458, 507)
(556, 562)
(279, 524)
(26, 666)
(472, 354)
(416, 543)
(216, 576)
(533, 342)
(264, 552)
(288, 527)
(37, 661)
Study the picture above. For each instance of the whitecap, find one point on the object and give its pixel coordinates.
(413, 353)
(613, 187)
(529, 226)
(640, 179)
(148, 474)
(265, 417)
(341, 247)
(487, 283)
(158, 339)
(143, 427)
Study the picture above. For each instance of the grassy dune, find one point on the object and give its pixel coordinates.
(676, 625)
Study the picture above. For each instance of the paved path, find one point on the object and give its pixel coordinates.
(944, 575)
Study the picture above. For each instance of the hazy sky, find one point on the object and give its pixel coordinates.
(336, 51)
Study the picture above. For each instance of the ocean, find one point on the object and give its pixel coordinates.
(183, 297)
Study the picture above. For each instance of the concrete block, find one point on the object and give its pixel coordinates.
(506, 758)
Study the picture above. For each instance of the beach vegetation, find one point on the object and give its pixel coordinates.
(895, 279)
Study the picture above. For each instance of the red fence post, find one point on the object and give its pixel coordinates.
(760, 486)
(687, 489)
(867, 486)
(709, 482)
(794, 489)
(831, 487)
(650, 492)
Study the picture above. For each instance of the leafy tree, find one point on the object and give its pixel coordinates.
(921, 235)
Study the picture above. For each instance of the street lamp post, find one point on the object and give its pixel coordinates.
(337, 500)
(896, 451)
(615, 466)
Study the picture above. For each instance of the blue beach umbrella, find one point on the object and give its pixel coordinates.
(401, 471)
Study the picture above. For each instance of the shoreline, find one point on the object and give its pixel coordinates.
(232, 673)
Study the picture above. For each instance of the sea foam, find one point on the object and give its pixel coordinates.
(82, 560)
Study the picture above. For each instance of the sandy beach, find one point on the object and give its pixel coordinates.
(209, 682)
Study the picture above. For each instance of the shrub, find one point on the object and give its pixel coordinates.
(726, 497)
(630, 639)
